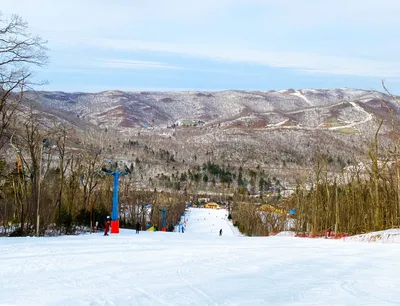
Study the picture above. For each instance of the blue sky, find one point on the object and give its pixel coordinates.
(133, 45)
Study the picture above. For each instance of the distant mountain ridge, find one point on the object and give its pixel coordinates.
(123, 110)
(275, 130)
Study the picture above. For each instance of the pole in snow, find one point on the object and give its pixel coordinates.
(163, 218)
(114, 212)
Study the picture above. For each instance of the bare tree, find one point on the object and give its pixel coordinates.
(30, 141)
(19, 50)
(90, 172)
(396, 142)
(63, 163)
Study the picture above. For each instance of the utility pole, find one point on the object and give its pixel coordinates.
(38, 190)
(91, 215)
(45, 143)
(336, 209)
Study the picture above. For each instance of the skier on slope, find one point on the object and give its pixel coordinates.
(220, 232)
(107, 223)
(137, 228)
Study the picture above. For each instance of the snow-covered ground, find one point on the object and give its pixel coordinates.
(302, 96)
(386, 236)
(368, 117)
(197, 267)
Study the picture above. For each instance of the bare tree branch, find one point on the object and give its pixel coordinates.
(19, 51)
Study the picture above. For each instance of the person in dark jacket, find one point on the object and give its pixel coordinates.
(220, 232)
(107, 223)
(137, 228)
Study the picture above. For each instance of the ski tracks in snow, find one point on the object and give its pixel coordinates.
(194, 288)
(196, 268)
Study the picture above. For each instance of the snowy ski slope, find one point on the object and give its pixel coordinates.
(197, 267)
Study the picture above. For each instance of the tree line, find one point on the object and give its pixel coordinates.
(361, 198)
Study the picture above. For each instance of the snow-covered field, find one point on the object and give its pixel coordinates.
(197, 267)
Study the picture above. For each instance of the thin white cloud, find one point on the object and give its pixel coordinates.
(308, 62)
(98, 88)
(132, 64)
(93, 15)
(227, 30)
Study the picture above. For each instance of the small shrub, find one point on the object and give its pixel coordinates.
(16, 233)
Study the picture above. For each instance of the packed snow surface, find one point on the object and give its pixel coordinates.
(197, 267)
